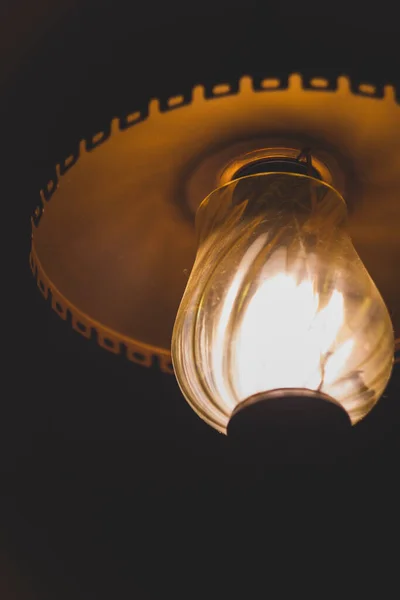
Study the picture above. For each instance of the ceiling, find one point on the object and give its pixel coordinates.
(106, 469)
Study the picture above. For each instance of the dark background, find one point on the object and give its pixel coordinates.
(111, 486)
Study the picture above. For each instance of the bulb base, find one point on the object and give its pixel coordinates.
(290, 426)
(278, 165)
(273, 159)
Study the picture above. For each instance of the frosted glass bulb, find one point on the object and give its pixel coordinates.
(278, 298)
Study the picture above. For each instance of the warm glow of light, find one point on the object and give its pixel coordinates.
(218, 350)
(285, 337)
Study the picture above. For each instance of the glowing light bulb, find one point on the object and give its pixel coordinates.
(278, 298)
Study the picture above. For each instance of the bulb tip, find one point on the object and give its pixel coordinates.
(290, 425)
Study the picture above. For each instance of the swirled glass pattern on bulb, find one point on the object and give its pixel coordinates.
(279, 298)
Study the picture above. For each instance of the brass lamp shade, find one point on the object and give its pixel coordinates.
(113, 237)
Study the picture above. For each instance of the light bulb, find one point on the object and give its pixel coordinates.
(278, 299)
